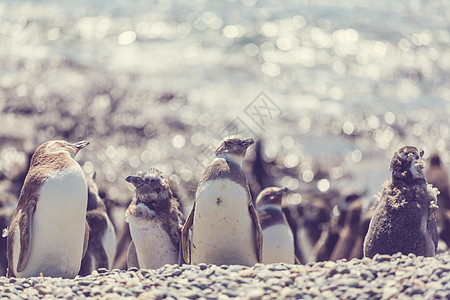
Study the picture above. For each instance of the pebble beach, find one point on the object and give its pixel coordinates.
(152, 84)
(383, 277)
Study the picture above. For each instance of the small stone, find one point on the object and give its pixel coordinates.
(389, 292)
(12, 280)
(255, 293)
(416, 291)
(247, 273)
(102, 270)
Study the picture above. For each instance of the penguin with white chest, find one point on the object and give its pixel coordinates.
(224, 222)
(48, 233)
(404, 218)
(101, 249)
(278, 239)
(155, 222)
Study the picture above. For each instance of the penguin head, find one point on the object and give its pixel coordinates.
(62, 146)
(407, 164)
(150, 186)
(435, 159)
(270, 196)
(235, 146)
(353, 216)
(316, 213)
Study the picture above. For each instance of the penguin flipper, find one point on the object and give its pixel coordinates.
(98, 251)
(258, 229)
(434, 236)
(185, 235)
(132, 260)
(86, 238)
(25, 224)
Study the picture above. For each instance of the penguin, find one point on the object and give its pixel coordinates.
(278, 240)
(101, 249)
(349, 233)
(48, 233)
(155, 222)
(224, 222)
(437, 175)
(326, 248)
(325, 245)
(292, 213)
(314, 221)
(358, 248)
(404, 218)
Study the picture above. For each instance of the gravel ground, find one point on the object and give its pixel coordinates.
(383, 277)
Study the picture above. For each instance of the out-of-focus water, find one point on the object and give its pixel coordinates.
(152, 82)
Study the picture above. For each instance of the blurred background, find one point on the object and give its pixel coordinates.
(155, 83)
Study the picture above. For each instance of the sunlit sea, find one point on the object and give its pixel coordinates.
(333, 86)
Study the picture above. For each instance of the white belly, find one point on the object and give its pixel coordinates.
(58, 227)
(153, 245)
(110, 243)
(223, 231)
(278, 245)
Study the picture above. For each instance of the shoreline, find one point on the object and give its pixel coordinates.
(383, 277)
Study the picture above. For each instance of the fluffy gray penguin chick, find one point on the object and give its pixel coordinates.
(404, 218)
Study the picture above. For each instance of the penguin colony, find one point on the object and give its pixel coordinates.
(61, 226)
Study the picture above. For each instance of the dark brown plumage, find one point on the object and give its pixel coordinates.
(404, 219)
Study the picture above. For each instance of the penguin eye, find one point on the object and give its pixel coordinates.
(153, 180)
(421, 153)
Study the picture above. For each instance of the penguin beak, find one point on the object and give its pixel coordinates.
(80, 145)
(135, 180)
(282, 191)
(248, 142)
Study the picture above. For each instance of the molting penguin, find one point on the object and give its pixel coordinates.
(278, 240)
(155, 222)
(404, 219)
(48, 233)
(101, 249)
(225, 224)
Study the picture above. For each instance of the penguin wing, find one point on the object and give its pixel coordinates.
(185, 235)
(132, 260)
(25, 220)
(86, 238)
(259, 233)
